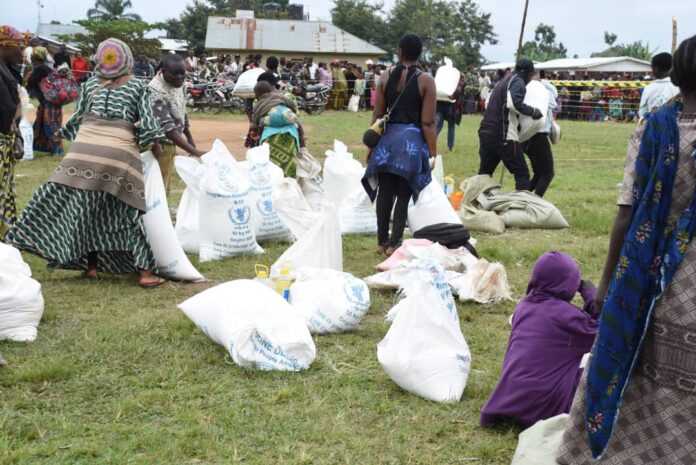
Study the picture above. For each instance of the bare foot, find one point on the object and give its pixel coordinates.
(90, 274)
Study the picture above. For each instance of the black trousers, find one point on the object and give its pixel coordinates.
(492, 150)
(392, 190)
(538, 149)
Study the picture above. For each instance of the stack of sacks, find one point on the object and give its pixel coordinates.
(254, 324)
(471, 278)
(21, 301)
(343, 187)
(424, 351)
(485, 209)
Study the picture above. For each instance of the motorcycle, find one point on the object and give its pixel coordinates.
(203, 96)
(312, 98)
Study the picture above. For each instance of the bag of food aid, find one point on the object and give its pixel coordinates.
(357, 214)
(190, 170)
(320, 247)
(226, 226)
(27, 131)
(539, 443)
(537, 96)
(257, 326)
(309, 179)
(244, 87)
(170, 259)
(446, 81)
(331, 301)
(263, 175)
(432, 207)
(342, 174)
(424, 351)
(21, 302)
(292, 207)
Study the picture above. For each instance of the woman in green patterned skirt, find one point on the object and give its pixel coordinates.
(88, 215)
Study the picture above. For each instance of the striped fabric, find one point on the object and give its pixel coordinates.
(129, 102)
(62, 224)
(8, 208)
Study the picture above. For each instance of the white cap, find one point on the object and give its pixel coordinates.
(369, 62)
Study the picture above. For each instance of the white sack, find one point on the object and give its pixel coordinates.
(21, 302)
(433, 207)
(309, 179)
(357, 214)
(170, 259)
(331, 301)
(186, 227)
(246, 81)
(354, 103)
(27, 131)
(424, 351)
(446, 80)
(292, 208)
(255, 324)
(225, 218)
(539, 443)
(342, 174)
(483, 282)
(263, 175)
(537, 96)
(320, 247)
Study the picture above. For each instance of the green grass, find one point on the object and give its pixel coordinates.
(120, 375)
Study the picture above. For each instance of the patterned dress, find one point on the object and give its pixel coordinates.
(657, 421)
(95, 199)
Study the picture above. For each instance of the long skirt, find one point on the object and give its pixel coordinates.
(63, 224)
(284, 153)
(339, 99)
(49, 119)
(8, 206)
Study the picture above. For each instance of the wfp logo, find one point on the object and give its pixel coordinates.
(355, 293)
(225, 181)
(265, 207)
(239, 215)
(260, 177)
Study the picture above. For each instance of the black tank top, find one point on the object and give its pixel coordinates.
(408, 109)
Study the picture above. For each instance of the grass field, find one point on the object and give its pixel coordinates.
(120, 375)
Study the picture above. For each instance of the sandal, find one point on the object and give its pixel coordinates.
(390, 251)
(381, 249)
(151, 285)
(90, 275)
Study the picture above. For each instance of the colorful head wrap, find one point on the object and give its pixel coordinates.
(39, 52)
(114, 59)
(10, 36)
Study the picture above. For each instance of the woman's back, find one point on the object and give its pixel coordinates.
(408, 107)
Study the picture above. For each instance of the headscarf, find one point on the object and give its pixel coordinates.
(650, 256)
(555, 275)
(40, 52)
(10, 36)
(114, 59)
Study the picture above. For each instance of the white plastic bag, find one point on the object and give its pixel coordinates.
(446, 80)
(292, 208)
(438, 170)
(357, 214)
(21, 302)
(170, 259)
(537, 96)
(331, 301)
(483, 282)
(320, 247)
(342, 174)
(309, 179)
(27, 131)
(354, 103)
(424, 351)
(433, 207)
(539, 443)
(263, 175)
(187, 217)
(245, 83)
(226, 227)
(255, 324)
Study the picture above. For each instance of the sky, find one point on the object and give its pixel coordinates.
(579, 25)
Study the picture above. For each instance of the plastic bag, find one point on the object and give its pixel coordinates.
(246, 81)
(537, 96)
(320, 247)
(263, 175)
(170, 259)
(21, 301)
(27, 131)
(446, 80)
(342, 174)
(331, 301)
(226, 227)
(309, 179)
(433, 207)
(254, 324)
(424, 351)
(292, 208)
(354, 103)
(539, 443)
(357, 214)
(483, 282)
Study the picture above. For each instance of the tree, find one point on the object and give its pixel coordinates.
(544, 46)
(360, 18)
(131, 32)
(635, 49)
(609, 38)
(456, 29)
(109, 10)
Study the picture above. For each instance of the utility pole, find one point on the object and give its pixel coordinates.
(524, 21)
(674, 34)
(39, 5)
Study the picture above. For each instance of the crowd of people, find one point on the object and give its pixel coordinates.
(635, 395)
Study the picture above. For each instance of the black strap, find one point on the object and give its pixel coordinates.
(403, 91)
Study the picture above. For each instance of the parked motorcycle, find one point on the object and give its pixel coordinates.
(312, 98)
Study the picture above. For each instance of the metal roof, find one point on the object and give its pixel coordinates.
(284, 35)
(497, 66)
(173, 44)
(602, 64)
(52, 31)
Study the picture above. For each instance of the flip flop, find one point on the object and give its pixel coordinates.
(154, 284)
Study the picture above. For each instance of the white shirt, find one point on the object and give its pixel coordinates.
(656, 94)
(553, 95)
(313, 71)
(192, 63)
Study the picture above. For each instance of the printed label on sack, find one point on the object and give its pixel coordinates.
(272, 357)
(270, 226)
